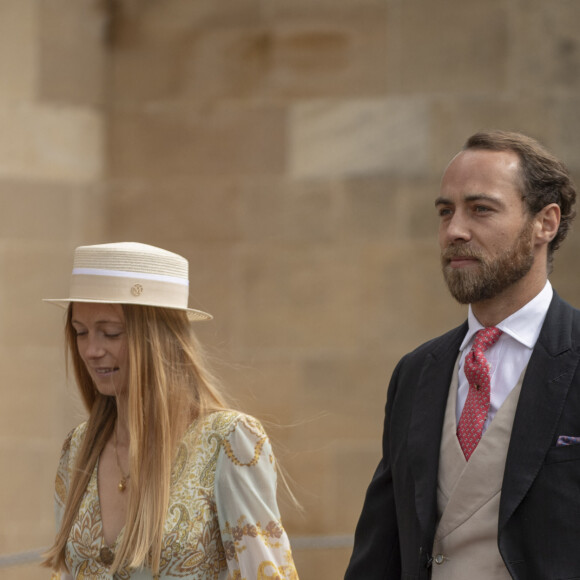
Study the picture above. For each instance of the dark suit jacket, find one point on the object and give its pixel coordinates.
(539, 514)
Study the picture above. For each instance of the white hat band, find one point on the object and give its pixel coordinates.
(128, 290)
(122, 274)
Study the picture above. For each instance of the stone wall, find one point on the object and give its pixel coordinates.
(52, 170)
(291, 151)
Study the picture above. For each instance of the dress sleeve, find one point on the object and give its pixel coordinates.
(254, 540)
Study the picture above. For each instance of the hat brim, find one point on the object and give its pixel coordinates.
(193, 314)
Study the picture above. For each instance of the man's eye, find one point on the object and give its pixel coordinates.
(444, 211)
(482, 209)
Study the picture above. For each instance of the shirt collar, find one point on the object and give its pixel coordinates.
(523, 325)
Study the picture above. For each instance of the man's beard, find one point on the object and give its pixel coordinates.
(490, 277)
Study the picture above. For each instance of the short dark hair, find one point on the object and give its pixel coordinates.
(544, 178)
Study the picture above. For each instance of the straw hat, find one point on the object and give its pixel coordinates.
(130, 273)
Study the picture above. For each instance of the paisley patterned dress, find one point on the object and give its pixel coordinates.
(222, 523)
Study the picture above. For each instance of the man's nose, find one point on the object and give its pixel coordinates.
(456, 229)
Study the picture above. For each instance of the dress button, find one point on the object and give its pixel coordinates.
(439, 559)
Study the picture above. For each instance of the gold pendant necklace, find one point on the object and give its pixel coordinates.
(122, 486)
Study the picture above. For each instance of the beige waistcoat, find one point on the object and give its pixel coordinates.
(468, 496)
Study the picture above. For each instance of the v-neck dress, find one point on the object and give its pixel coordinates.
(222, 523)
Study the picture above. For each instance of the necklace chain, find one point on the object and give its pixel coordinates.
(122, 485)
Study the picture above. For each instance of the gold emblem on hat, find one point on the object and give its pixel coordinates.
(136, 289)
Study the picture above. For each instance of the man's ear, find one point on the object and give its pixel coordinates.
(546, 223)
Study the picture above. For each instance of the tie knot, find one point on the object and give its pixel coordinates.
(486, 337)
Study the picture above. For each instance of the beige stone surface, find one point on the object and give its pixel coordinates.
(51, 199)
(292, 152)
(546, 56)
(350, 137)
(453, 48)
(252, 58)
(299, 298)
(73, 63)
(228, 139)
(30, 272)
(28, 572)
(19, 40)
(52, 143)
(198, 209)
(315, 564)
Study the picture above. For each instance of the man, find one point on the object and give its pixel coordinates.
(480, 474)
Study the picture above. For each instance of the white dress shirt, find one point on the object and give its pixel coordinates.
(510, 355)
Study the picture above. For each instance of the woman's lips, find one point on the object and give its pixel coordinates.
(103, 371)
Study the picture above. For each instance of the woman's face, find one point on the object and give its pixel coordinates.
(102, 344)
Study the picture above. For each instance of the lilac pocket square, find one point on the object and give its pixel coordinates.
(567, 440)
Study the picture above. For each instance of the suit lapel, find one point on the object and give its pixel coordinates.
(544, 390)
(427, 422)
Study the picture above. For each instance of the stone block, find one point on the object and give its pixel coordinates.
(18, 50)
(37, 211)
(373, 209)
(300, 58)
(288, 58)
(26, 496)
(157, 144)
(546, 49)
(275, 209)
(452, 48)
(346, 397)
(72, 39)
(53, 144)
(565, 115)
(198, 210)
(29, 273)
(354, 469)
(358, 137)
(298, 298)
(282, 9)
(133, 19)
(31, 404)
(90, 209)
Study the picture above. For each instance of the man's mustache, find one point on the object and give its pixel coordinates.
(452, 252)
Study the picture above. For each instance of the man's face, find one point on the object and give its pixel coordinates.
(485, 231)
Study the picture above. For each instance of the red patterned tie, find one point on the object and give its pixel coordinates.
(470, 427)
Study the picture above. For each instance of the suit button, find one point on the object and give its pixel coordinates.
(439, 559)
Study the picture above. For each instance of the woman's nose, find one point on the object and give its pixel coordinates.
(94, 348)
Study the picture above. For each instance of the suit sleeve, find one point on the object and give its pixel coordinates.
(376, 554)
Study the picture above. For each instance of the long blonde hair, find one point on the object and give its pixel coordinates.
(169, 386)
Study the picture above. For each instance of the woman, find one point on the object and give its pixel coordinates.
(162, 481)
